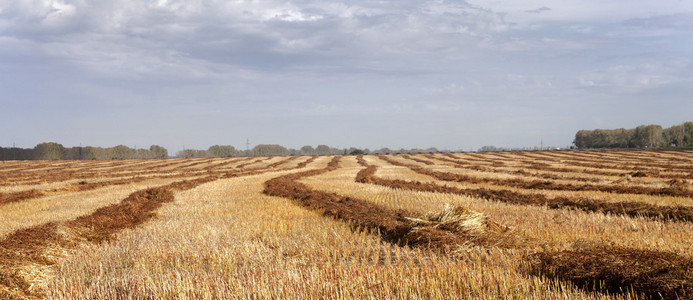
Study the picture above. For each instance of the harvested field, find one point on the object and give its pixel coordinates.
(540, 225)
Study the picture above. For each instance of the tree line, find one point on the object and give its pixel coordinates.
(55, 151)
(644, 136)
(278, 150)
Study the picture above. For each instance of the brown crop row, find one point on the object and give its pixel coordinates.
(461, 165)
(605, 165)
(536, 163)
(673, 190)
(532, 164)
(656, 274)
(399, 227)
(603, 161)
(633, 209)
(6, 198)
(596, 267)
(36, 246)
(68, 170)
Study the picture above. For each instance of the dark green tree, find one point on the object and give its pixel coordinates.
(49, 151)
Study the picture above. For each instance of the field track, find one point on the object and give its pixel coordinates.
(631, 214)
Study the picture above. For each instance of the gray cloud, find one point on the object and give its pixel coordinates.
(682, 21)
(396, 70)
(538, 10)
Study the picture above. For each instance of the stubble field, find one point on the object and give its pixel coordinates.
(542, 225)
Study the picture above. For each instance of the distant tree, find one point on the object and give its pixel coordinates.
(15, 153)
(323, 150)
(620, 138)
(49, 151)
(89, 153)
(121, 152)
(192, 153)
(270, 150)
(158, 151)
(688, 134)
(644, 136)
(488, 149)
(307, 150)
(74, 153)
(222, 151)
(674, 135)
(383, 151)
(649, 136)
(355, 151)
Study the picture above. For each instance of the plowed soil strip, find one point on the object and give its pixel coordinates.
(674, 190)
(601, 268)
(633, 209)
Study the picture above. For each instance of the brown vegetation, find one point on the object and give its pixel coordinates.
(471, 248)
(633, 209)
(678, 191)
(591, 266)
(655, 274)
(30, 248)
(441, 231)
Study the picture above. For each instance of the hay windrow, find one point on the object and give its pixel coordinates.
(81, 186)
(37, 245)
(6, 198)
(655, 274)
(589, 266)
(34, 245)
(545, 184)
(627, 208)
(451, 228)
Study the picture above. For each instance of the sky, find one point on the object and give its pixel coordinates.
(454, 75)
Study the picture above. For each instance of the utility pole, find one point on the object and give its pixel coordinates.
(542, 145)
(247, 146)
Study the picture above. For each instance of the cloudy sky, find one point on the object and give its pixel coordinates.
(412, 73)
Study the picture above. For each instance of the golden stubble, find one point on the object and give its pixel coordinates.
(225, 239)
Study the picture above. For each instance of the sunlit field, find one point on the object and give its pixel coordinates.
(517, 225)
